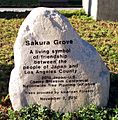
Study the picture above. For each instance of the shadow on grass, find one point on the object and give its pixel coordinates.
(113, 98)
(5, 71)
(10, 15)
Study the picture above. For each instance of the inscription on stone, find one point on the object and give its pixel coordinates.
(51, 61)
(54, 67)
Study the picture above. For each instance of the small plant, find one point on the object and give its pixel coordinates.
(37, 112)
(34, 112)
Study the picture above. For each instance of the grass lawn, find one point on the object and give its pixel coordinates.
(103, 35)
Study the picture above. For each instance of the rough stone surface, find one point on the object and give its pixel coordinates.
(102, 9)
(54, 67)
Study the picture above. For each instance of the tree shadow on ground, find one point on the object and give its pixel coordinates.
(113, 98)
(5, 71)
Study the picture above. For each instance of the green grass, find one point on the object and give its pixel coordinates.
(103, 35)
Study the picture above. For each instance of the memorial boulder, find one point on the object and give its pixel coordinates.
(54, 67)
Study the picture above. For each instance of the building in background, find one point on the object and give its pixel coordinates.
(61, 3)
(41, 3)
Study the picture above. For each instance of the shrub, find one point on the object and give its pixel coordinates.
(37, 112)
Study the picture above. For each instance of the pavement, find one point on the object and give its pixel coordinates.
(29, 9)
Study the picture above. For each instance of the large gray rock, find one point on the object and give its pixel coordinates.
(54, 67)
